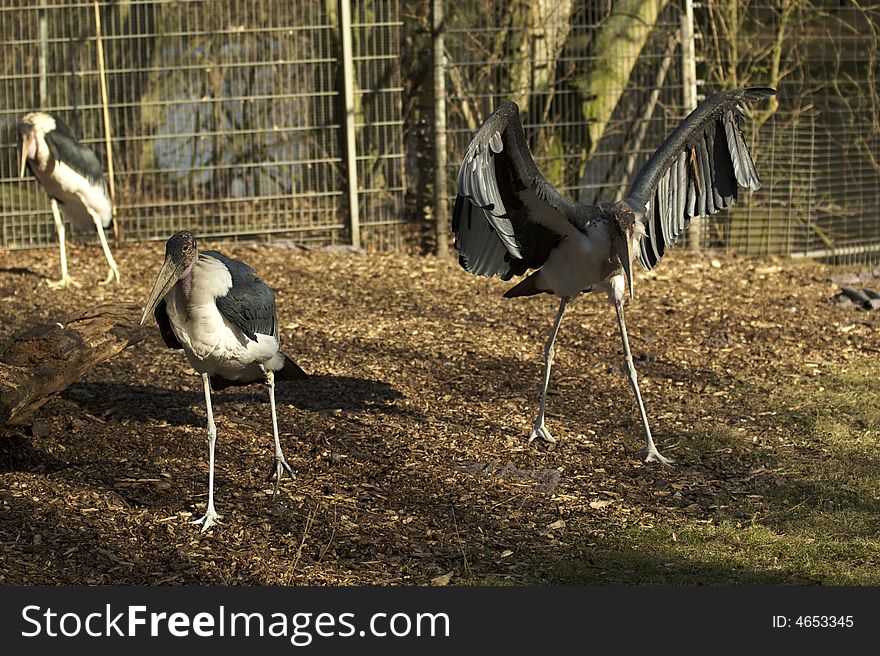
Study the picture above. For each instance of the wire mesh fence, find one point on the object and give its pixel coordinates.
(818, 152)
(228, 118)
(587, 102)
(618, 87)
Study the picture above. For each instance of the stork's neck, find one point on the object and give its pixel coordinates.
(186, 285)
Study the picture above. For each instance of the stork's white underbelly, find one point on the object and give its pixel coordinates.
(215, 346)
(579, 263)
(74, 194)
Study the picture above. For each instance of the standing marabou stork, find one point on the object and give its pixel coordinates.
(508, 219)
(71, 174)
(223, 317)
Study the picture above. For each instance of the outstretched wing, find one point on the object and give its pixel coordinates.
(507, 217)
(695, 172)
(249, 303)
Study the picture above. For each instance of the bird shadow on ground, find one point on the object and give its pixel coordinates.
(137, 402)
(328, 392)
(18, 453)
(20, 271)
(175, 406)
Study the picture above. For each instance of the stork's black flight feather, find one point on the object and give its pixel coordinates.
(695, 172)
(65, 148)
(250, 303)
(507, 217)
(164, 323)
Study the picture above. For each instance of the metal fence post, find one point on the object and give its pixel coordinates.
(105, 113)
(441, 208)
(689, 96)
(44, 56)
(350, 137)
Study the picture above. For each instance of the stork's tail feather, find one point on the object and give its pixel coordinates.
(290, 371)
(527, 287)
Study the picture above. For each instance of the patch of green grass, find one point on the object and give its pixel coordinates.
(707, 437)
(814, 519)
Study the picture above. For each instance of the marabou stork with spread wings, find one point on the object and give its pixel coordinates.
(508, 219)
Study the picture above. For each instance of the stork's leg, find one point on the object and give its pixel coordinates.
(281, 465)
(59, 228)
(114, 270)
(650, 454)
(540, 430)
(210, 517)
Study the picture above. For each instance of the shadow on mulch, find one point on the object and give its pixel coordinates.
(174, 406)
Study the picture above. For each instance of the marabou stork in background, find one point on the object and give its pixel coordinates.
(508, 219)
(223, 317)
(71, 174)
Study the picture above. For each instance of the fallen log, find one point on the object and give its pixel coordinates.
(47, 359)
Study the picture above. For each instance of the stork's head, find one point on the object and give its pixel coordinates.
(626, 228)
(181, 254)
(31, 130)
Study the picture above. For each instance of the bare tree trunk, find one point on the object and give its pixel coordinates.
(618, 45)
(541, 29)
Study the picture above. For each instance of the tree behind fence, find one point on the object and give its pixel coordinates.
(227, 115)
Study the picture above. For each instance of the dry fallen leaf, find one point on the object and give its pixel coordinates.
(596, 505)
(443, 579)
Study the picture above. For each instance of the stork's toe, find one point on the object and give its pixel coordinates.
(111, 274)
(277, 472)
(541, 432)
(208, 520)
(653, 455)
(67, 281)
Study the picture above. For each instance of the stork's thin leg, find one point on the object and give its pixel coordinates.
(650, 454)
(59, 228)
(281, 465)
(210, 517)
(540, 430)
(114, 270)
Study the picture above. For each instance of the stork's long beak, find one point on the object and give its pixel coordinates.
(623, 246)
(25, 147)
(168, 277)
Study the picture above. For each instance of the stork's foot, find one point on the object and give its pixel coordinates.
(540, 432)
(653, 455)
(208, 520)
(67, 281)
(278, 470)
(111, 274)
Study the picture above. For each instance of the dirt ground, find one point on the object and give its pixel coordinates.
(409, 439)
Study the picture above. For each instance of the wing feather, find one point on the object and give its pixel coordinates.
(250, 303)
(695, 172)
(507, 217)
(65, 148)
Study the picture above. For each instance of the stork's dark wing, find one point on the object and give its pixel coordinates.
(250, 303)
(168, 336)
(507, 217)
(695, 172)
(65, 148)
